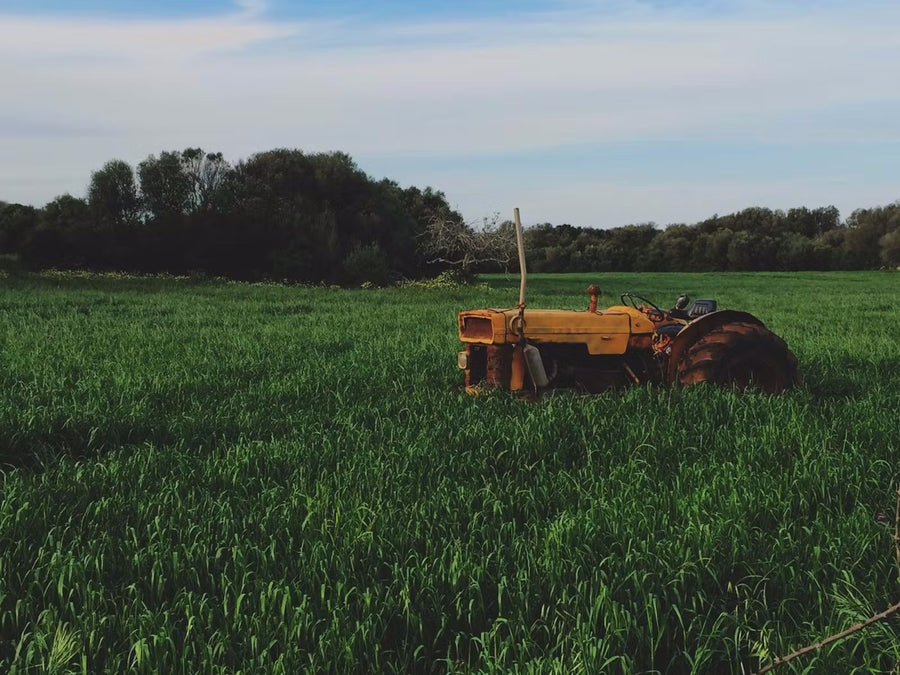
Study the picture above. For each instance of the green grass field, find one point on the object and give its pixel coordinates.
(211, 477)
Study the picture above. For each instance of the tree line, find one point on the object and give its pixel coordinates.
(289, 215)
(754, 239)
(282, 214)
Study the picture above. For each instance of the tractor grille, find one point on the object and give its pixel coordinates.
(477, 328)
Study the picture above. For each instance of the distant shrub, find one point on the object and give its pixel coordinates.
(451, 278)
(367, 264)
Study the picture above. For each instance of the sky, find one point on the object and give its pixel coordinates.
(591, 112)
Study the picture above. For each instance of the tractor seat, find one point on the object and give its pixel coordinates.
(700, 307)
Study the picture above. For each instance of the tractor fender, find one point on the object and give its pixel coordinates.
(697, 328)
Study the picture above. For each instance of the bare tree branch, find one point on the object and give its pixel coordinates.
(855, 628)
(890, 611)
(455, 242)
(897, 533)
(206, 172)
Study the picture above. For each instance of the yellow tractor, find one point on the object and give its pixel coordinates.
(635, 342)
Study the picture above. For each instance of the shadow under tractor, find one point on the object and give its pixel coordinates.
(636, 342)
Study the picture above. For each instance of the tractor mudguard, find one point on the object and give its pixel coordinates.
(697, 329)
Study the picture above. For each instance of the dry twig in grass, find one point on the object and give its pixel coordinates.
(897, 534)
(881, 616)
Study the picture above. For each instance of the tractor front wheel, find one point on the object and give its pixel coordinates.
(740, 355)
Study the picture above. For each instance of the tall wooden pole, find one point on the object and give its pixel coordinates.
(520, 242)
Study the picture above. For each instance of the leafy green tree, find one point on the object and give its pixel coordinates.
(306, 213)
(717, 252)
(812, 223)
(627, 245)
(673, 249)
(64, 236)
(66, 213)
(865, 228)
(890, 249)
(794, 252)
(742, 251)
(113, 196)
(756, 219)
(166, 188)
(367, 264)
(829, 249)
(206, 173)
(16, 221)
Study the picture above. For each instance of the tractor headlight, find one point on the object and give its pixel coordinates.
(462, 360)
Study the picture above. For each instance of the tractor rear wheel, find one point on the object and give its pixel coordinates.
(740, 355)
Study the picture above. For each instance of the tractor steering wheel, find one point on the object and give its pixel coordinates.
(653, 312)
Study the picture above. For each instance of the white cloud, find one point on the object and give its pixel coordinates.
(244, 82)
(35, 42)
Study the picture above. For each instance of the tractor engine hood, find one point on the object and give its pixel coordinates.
(606, 332)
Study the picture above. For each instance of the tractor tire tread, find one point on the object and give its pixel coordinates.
(741, 354)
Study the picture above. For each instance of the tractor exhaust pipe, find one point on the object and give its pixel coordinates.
(535, 365)
(520, 242)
